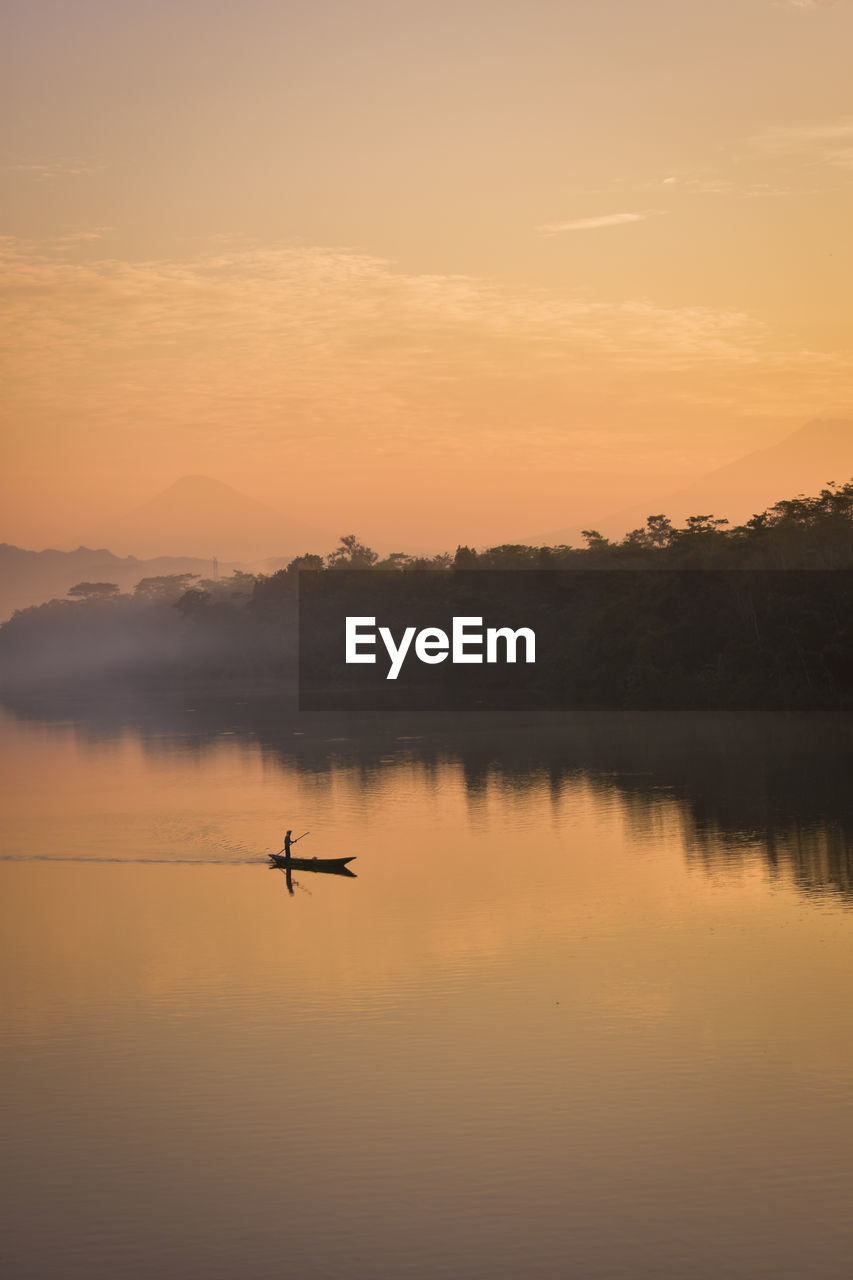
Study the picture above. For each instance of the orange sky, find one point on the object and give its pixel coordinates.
(409, 267)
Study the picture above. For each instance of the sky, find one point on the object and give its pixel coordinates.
(428, 271)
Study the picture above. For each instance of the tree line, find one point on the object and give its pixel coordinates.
(245, 625)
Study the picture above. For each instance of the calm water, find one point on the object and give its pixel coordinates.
(585, 1010)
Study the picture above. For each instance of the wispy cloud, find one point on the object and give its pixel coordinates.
(808, 4)
(328, 344)
(591, 224)
(829, 142)
(83, 237)
(831, 130)
(699, 184)
(48, 170)
(717, 185)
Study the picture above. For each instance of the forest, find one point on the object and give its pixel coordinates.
(245, 627)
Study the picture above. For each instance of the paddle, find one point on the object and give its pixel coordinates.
(293, 842)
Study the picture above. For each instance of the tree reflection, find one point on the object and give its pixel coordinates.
(743, 786)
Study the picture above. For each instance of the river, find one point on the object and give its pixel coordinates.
(582, 1010)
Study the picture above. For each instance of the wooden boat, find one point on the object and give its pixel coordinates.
(330, 866)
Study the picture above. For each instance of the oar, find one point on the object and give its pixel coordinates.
(296, 841)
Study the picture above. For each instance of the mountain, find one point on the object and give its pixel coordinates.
(33, 577)
(197, 516)
(802, 463)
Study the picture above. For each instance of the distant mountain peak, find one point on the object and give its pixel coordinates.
(803, 462)
(197, 515)
(204, 489)
(824, 430)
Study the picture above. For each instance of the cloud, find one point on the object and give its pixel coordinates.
(81, 237)
(590, 224)
(830, 142)
(702, 184)
(792, 135)
(808, 4)
(717, 185)
(259, 345)
(51, 169)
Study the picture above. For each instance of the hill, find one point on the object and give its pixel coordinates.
(33, 577)
(198, 516)
(803, 462)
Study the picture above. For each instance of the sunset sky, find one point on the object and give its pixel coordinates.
(429, 271)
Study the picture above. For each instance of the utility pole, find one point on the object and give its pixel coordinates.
(215, 569)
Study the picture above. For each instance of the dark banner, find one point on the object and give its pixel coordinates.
(609, 639)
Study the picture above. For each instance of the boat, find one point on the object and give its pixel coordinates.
(330, 866)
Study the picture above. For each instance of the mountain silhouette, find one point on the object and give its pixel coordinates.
(198, 516)
(33, 577)
(803, 463)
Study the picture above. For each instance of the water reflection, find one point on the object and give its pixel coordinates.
(772, 787)
(319, 866)
(582, 1010)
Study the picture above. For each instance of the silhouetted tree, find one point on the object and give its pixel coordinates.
(396, 560)
(703, 524)
(351, 554)
(193, 603)
(95, 591)
(304, 562)
(164, 589)
(657, 532)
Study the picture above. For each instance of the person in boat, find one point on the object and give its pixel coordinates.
(289, 841)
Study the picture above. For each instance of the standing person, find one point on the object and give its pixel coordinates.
(289, 840)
